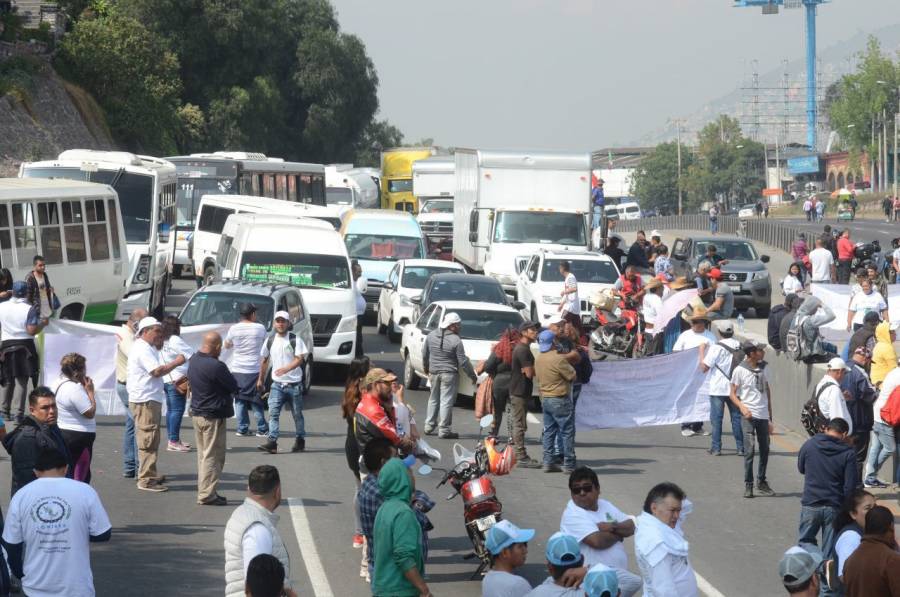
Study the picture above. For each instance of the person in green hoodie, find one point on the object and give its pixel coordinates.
(399, 565)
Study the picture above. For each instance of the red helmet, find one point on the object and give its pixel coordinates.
(499, 462)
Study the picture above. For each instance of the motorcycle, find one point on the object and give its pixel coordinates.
(620, 328)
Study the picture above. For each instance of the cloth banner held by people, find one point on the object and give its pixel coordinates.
(660, 390)
(837, 297)
(672, 307)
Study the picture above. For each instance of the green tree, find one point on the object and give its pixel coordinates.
(655, 180)
(378, 135)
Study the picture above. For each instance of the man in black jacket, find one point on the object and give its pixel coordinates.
(36, 431)
(828, 464)
(776, 316)
(637, 253)
(212, 391)
(860, 395)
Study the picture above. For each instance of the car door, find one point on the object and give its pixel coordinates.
(524, 288)
(387, 295)
(300, 323)
(426, 323)
(679, 257)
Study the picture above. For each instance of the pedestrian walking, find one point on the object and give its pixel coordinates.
(252, 529)
(887, 206)
(713, 219)
(831, 399)
(20, 322)
(145, 397)
(719, 363)
(521, 387)
(820, 211)
(807, 209)
(555, 375)
(287, 354)
(799, 571)
(752, 394)
(360, 286)
(845, 251)
(246, 338)
(175, 383)
(212, 391)
(353, 389)
(570, 306)
(76, 408)
(849, 529)
(444, 357)
(821, 260)
(859, 395)
(660, 546)
(124, 341)
(49, 528)
(874, 567)
(883, 441)
(40, 292)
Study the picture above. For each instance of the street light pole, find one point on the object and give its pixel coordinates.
(678, 146)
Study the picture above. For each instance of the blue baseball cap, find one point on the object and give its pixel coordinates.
(563, 550)
(19, 289)
(545, 340)
(601, 581)
(503, 534)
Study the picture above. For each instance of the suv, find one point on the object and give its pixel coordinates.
(745, 271)
(219, 303)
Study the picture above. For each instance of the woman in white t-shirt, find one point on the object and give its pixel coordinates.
(863, 302)
(792, 283)
(849, 525)
(76, 409)
(173, 346)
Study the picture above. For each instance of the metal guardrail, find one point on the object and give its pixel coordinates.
(765, 231)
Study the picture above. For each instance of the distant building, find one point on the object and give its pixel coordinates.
(840, 174)
(35, 12)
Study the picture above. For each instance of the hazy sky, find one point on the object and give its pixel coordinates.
(573, 74)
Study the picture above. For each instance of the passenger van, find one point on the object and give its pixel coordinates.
(214, 211)
(377, 239)
(307, 253)
(77, 228)
(628, 210)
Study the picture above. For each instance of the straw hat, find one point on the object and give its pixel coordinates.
(680, 283)
(653, 283)
(695, 310)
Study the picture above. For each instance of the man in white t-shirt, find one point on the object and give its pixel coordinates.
(718, 363)
(831, 398)
(824, 270)
(287, 353)
(48, 528)
(569, 304)
(696, 337)
(751, 393)
(599, 527)
(245, 339)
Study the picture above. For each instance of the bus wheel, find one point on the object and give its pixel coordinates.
(73, 312)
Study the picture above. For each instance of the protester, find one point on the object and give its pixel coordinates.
(787, 320)
(38, 431)
(568, 343)
(828, 465)
(499, 367)
(884, 357)
(822, 262)
(174, 382)
(660, 546)
(705, 288)
(859, 394)
(878, 281)
(865, 302)
(696, 337)
(656, 246)
(212, 389)
(521, 386)
(376, 454)
(508, 546)
(662, 265)
(799, 249)
(776, 316)
(444, 358)
(601, 581)
(830, 396)
(40, 292)
(848, 528)
(883, 442)
(651, 307)
(614, 251)
(265, 578)
(124, 342)
(597, 201)
(599, 528)
(49, 528)
(798, 569)
(374, 416)
(865, 335)
(76, 408)
(252, 529)
(19, 324)
(751, 393)
(352, 395)
(793, 283)
(719, 365)
(406, 423)
(555, 375)
(812, 315)
(845, 250)
(637, 253)
(807, 209)
(246, 338)
(829, 241)
(564, 562)
(145, 397)
(569, 306)
(874, 568)
(629, 285)
(722, 306)
(360, 286)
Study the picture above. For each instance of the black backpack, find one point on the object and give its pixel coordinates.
(811, 416)
(737, 356)
(793, 340)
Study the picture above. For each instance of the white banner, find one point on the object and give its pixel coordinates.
(659, 390)
(837, 297)
(673, 306)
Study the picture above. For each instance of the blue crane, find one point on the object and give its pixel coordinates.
(771, 7)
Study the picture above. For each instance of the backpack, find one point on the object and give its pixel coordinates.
(292, 338)
(737, 356)
(793, 341)
(811, 416)
(890, 412)
(585, 368)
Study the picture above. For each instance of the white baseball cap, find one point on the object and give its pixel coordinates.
(655, 233)
(555, 319)
(836, 364)
(282, 315)
(450, 319)
(147, 322)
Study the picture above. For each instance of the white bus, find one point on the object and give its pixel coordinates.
(146, 189)
(77, 228)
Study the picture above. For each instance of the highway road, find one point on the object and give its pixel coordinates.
(861, 229)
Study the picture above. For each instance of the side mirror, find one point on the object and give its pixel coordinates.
(164, 230)
(416, 300)
(518, 305)
(486, 421)
(389, 285)
(764, 259)
(473, 237)
(519, 266)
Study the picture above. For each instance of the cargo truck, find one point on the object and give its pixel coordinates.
(510, 204)
(434, 182)
(396, 177)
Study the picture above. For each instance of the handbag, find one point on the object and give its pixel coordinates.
(182, 385)
(54, 302)
(484, 398)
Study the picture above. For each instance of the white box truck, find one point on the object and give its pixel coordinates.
(510, 204)
(434, 183)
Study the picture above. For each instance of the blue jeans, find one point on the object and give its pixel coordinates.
(290, 394)
(882, 445)
(444, 387)
(129, 444)
(597, 210)
(242, 413)
(559, 420)
(716, 413)
(713, 225)
(174, 412)
(576, 392)
(812, 520)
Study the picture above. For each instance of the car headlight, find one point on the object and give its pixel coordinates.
(763, 275)
(142, 271)
(551, 300)
(404, 301)
(348, 324)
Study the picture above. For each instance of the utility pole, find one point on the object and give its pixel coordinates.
(778, 166)
(678, 148)
(884, 163)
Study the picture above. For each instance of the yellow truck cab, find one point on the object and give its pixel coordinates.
(396, 177)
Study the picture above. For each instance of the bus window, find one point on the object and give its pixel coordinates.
(114, 229)
(292, 188)
(281, 190)
(269, 185)
(6, 259)
(51, 238)
(304, 192)
(23, 229)
(247, 184)
(212, 218)
(73, 231)
(257, 185)
(97, 236)
(318, 189)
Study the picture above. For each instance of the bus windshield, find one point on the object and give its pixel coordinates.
(189, 192)
(400, 185)
(540, 227)
(301, 269)
(338, 196)
(135, 191)
(383, 247)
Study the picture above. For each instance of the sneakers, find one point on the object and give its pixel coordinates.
(688, 433)
(429, 431)
(270, 446)
(177, 447)
(262, 434)
(552, 468)
(358, 541)
(527, 462)
(748, 490)
(875, 483)
(243, 434)
(763, 488)
(219, 500)
(448, 435)
(152, 485)
(299, 445)
(712, 452)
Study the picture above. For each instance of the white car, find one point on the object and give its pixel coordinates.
(747, 211)
(482, 324)
(539, 283)
(406, 280)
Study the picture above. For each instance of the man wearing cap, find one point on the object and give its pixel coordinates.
(20, 323)
(564, 564)
(860, 395)
(722, 306)
(830, 397)
(601, 581)
(444, 357)
(798, 569)
(750, 392)
(374, 416)
(569, 306)
(555, 375)
(145, 397)
(508, 545)
(597, 201)
(521, 386)
(698, 336)
(245, 339)
(718, 365)
(874, 568)
(287, 352)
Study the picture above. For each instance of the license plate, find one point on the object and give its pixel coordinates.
(485, 523)
(586, 319)
(735, 288)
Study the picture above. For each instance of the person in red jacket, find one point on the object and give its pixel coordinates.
(845, 257)
(374, 416)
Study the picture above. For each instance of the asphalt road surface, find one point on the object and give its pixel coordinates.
(861, 229)
(165, 544)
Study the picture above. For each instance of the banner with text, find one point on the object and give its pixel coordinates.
(837, 297)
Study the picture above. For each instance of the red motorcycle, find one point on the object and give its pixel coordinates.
(620, 327)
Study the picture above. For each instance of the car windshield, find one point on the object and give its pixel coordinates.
(415, 276)
(442, 206)
(401, 185)
(463, 290)
(732, 250)
(382, 247)
(189, 192)
(486, 325)
(589, 271)
(225, 307)
(748, 206)
(338, 196)
(301, 269)
(539, 227)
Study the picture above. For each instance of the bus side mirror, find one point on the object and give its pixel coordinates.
(164, 230)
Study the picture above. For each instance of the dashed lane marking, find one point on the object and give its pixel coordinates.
(706, 588)
(317, 578)
(533, 419)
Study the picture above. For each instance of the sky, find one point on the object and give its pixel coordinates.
(573, 74)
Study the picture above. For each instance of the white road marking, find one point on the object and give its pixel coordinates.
(533, 419)
(317, 577)
(706, 588)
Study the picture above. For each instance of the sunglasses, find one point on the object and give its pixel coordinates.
(579, 489)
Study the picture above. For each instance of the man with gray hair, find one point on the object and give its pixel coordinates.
(444, 356)
(124, 339)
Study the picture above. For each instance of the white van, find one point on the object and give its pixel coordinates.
(628, 210)
(214, 211)
(307, 253)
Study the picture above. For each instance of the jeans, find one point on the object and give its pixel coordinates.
(575, 393)
(129, 444)
(861, 447)
(882, 445)
(716, 413)
(14, 393)
(755, 430)
(441, 400)
(174, 412)
(242, 413)
(597, 211)
(559, 419)
(713, 225)
(843, 272)
(290, 394)
(812, 520)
